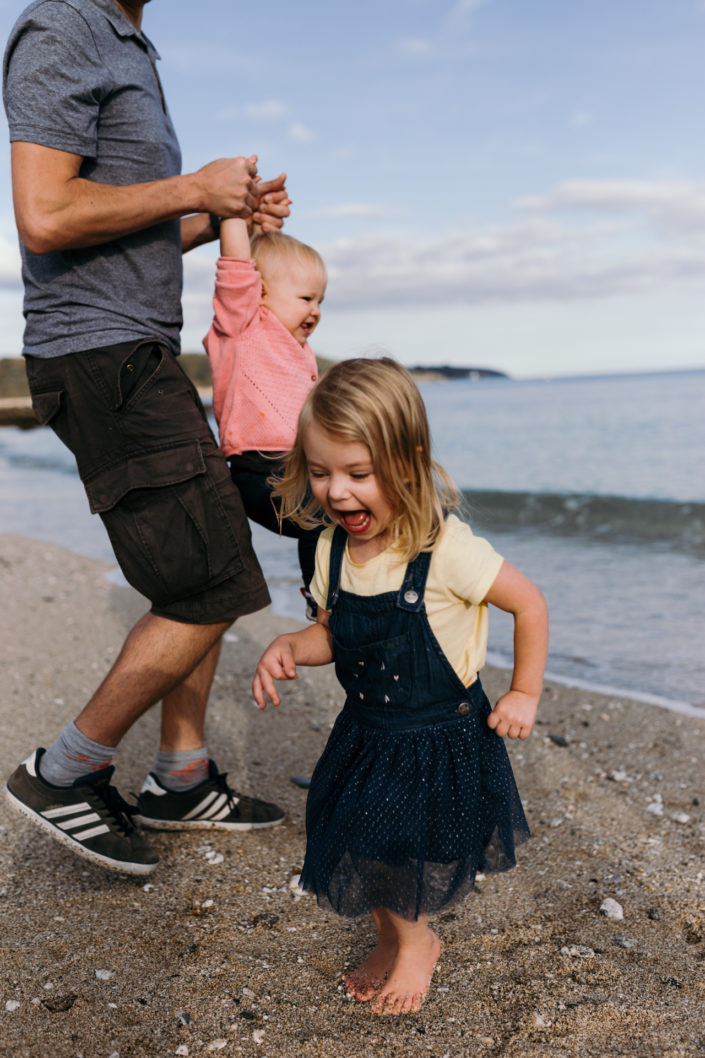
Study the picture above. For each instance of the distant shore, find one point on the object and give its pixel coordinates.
(592, 946)
(16, 406)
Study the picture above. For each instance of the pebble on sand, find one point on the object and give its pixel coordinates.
(612, 909)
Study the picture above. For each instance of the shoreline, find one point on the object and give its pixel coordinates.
(216, 952)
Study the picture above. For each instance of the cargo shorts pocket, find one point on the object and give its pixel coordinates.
(173, 520)
(46, 406)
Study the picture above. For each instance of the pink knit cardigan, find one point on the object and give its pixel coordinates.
(261, 375)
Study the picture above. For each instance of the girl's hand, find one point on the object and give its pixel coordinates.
(514, 715)
(277, 663)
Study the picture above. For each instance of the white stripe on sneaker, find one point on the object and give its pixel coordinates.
(83, 835)
(222, 814)
(66, 810)
(80, 821)
(201, 809)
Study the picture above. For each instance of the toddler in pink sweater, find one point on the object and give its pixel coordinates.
(267, 303)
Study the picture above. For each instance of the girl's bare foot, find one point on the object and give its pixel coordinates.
(364, 982)
(407, 985)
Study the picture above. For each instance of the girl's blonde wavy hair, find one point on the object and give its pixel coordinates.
(375, 402)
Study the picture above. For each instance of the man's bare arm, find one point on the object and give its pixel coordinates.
(56, 209)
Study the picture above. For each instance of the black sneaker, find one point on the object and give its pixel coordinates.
(90, 816)
(209, 804)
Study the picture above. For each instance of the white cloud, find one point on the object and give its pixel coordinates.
(299, 133)
(461, 9)
(266, 110)
(535, 259)
(670, 204)
(464, 7)
(414, 46)
(585, 244)
(357, 211)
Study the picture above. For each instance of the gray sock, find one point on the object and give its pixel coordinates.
(72, 756)
(181, 769)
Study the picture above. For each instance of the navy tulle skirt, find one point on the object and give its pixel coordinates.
(404, 819)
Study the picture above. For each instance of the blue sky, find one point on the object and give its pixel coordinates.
(494, 182)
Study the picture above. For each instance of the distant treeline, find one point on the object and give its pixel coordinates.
(452, 372)
(13, 382)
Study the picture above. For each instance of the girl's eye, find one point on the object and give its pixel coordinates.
(360, 477)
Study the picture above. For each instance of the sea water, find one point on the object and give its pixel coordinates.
(594, 487)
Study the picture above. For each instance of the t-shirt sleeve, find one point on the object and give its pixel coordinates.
(319, 584)
(54, 81)
(469, 563)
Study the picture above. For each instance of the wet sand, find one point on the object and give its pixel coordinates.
(216, 953)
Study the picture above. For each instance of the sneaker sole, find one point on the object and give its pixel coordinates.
(75, 846)
(202, 824)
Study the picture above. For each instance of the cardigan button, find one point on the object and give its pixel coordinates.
(464, 708)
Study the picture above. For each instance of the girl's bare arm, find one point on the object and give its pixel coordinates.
(515, 712)
(310, 646)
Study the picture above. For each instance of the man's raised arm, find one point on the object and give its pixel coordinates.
(56, 209)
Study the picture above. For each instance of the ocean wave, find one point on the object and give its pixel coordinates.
(616, 519)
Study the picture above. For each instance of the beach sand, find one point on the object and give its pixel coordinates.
(217, 953)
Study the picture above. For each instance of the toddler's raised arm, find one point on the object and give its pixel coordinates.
(271, 209)
(234, 238)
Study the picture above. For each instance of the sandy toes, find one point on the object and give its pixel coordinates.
(407, 985)
(365, 981)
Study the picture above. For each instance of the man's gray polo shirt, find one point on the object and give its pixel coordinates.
(78, 77)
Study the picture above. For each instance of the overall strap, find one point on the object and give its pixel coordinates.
(337, 550)
(411, 593)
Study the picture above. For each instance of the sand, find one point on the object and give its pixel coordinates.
(216, 953)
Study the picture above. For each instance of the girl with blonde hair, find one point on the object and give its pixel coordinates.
(414, 793)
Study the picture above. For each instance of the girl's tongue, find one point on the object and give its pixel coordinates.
(354, 521)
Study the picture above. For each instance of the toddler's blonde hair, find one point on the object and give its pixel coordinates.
(375, 402)
(271, 247)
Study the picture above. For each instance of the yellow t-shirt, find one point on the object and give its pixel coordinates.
(462, 571)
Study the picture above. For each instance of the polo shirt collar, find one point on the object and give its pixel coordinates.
(121, 23)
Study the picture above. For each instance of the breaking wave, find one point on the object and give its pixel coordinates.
(616, 519)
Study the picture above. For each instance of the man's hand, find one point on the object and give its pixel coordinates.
(229, 187)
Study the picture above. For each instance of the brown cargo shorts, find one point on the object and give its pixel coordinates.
(152, 470)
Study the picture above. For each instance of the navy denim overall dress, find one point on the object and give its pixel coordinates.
(413, 793)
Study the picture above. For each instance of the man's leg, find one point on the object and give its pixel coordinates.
(184, 708)
(172, 797)
(181, 761)
(157, 656)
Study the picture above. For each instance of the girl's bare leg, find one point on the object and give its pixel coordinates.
(406, 986)
(365, 981)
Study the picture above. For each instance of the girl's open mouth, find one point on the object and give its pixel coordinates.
(354, 521)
